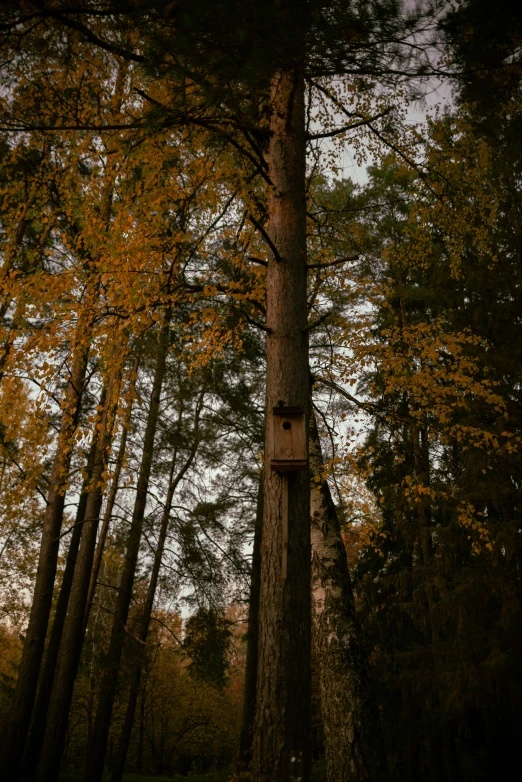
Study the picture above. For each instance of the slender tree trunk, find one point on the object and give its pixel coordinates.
(92, 676)
(34, 742)
(281, 749)
(73, 631)
(19, 313)
(353, 743)
(12, 247)
(249, 700)
(141, 734)
(10, 339)
(111, 499)
(422, 468)
(143, 631)
(98, 745)
(42, 599)
(29, 670)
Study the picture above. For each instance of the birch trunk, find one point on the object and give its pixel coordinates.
(249, 700)
(281, 749)
(353, 745)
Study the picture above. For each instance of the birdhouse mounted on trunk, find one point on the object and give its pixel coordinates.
(288, 439)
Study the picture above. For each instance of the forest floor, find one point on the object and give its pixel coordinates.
(77, 776)
(318, 775)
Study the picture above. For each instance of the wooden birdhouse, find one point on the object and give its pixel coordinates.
(288, 439)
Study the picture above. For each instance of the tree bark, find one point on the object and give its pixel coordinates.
(111, 499)
(249, 700)
(73, 631)
(29, 670)
(36, 735)
(143, 631)
(141, 734)
(353, 743)
(421, 459)
(98, 744)
(281, 749)
(20, 308)
(11, 247)
(10, 339)
(32, 654)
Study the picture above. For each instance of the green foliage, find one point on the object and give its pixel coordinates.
(433, 337)
(438, 587)
(207, 642)
(485, 41)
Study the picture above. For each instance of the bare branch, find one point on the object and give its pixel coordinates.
(331, 384)
(255, 322)
(337, 262)
(316, 323)
(260, 261)
(88, 34)
(266, 237)
(345, 128)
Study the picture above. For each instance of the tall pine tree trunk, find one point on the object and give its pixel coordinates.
(143, 631)
(353, 744)
(249, 699)
(73, 631)
(98, 744)
(33, 649)
(36, 735)
(281, 747)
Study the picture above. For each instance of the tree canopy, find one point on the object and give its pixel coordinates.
(185, 260)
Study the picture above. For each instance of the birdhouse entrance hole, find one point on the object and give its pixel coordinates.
(289, 447)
